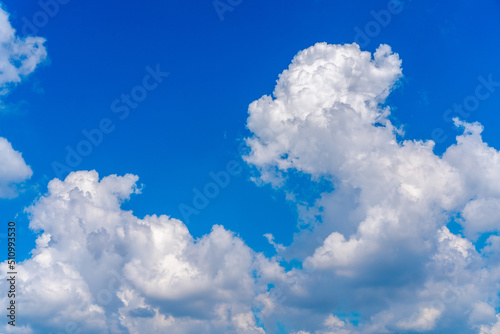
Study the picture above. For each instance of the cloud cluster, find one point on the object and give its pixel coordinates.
(380, 253)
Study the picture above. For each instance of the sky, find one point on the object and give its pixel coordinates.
(236, 166)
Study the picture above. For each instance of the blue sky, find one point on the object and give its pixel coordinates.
(195, 121)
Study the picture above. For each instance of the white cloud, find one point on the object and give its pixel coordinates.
(425, 320)
(18, 56)
(480, 216)
(380, 247)
(101, 268)
(13, 169)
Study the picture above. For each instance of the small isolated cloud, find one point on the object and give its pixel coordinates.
(18, 56)
(13, 169)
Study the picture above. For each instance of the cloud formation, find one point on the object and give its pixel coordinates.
(13, 169)
(100, 269)
(378, 244)
(18, 56)
(379, 254)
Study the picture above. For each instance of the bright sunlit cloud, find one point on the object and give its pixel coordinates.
(395, 236)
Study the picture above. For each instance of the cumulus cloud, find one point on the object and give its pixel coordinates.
(13, 169)
(378, 243)
(100, 269)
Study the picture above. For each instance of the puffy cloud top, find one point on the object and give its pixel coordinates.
(326, 87)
